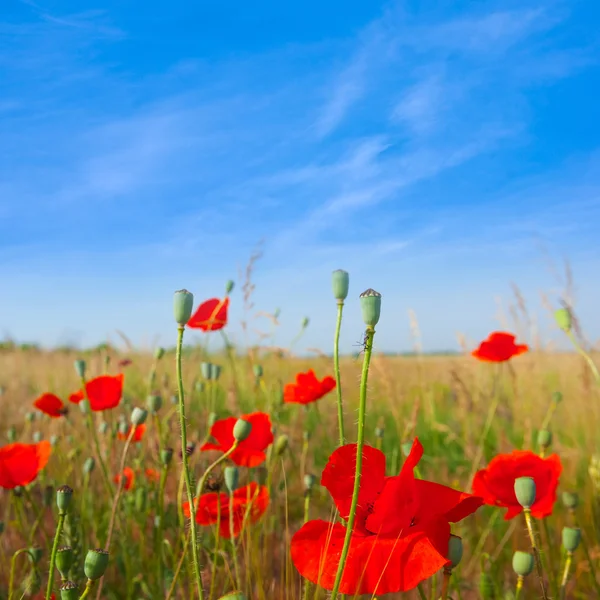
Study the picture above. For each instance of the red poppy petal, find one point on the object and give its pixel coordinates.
(210, 315)
(261, 435)
(20, 464)
(51, 405)
(438, 500)
(375, 565)
(105, 392)
(222, 432)
(248, 458)
(76, 397)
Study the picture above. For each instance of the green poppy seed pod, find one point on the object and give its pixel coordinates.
(30, 417)
(213, 417)
(95, 564)
(406, 448)
(455, 550)
(571, 536)
(232, 478)
(63, 498)
(525, 491)
(215, 372)
(257, 370)
(84, 406)
(241, 430)
(563, 319)
(159, 353)
(229, 287)
(53, 440)
(123, 427)
(174, 399)
(141, 497)
(11, 434)
(379, 431)
(1, 527)
(138, 416)
(183, 305)
(157, 521)
(103, 427)
(305, 322)
(309, 481)
(166, 456)
(370, 304)
(48, 496)
(80, 368)
(199, 386)
(570, 500)
(281, 444)
(36, 555)
(37, 436)
(486, 586)
(233, 596)
(557, 397)
(206, 370)
(523, 563)
(154, 403)
(544, 438)
(69, 591)
(89, 465)
(64, 560)
(340, 282)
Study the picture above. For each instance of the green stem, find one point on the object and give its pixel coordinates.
(186, 468)
(585, 356)
(551, 558)
(422, 595)
(446, 584)
(236, 566)
(13, 564)
(336, 368)
(59, 528)
(565, 577)
(92, 428)
(213, 572)
(484, 536)
(160, 528)
(519, 587)
(362, 408)
(86, 591)
(536, 552)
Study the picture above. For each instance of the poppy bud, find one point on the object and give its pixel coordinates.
(95, 564)
(37, 436)
(89, 465)
(212, 419)
(571, 536)
(544, 438)
(84, 406)
(64, 560)
(455, 550)
(63, 498)
(309, 481)
(305, 322)
(154, 403)
(206, 370)
(557, 397)
(379, 432)
(48, 496)
(232, 478)
(80, 368)
(233, 596)
(30, 417)
(525, 491)
(138, 416)
(281, 444)
(36, 555)
(140, 499)
(563, 319)
(165, 456)
(370, 304)
(241, 430)
(11, 434)
(257, 370)
(229, 287)
(159, 353)
(53, 440)
(68, 591)
(183, 304)
(103, 427)
(570, 500)
(340, 282)
(123, 427)
(199, 387)
(523, 563)
(215, 372)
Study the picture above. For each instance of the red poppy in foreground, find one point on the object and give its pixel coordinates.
(137, 436)
(20, 464)
(496, 483)
(103, 392)
(308, 388)
(210, 315)
(249, 505)
(499, 347)
(401, 529)
(129, 478)
(51, 405)
(250, 452)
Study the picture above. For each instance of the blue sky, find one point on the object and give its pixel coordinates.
(438, 151)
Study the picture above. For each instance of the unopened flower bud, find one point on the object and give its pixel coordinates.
(455, 550)
(80, 368)
(544, 438)
(571, 536)
(36, 555)
(11, 434)
(206, 370)
(257, 370)
(138, 416)
(305, 322)
(563, 319)
(215, 372)
(370, 304)
(199, 386)
(229, 287)
(183, 304)
(309, 481)
(37, 436)
(241, 430)
(95, 564)
(379, 431)
(159, 353)
(165, 456)
(30, 417)
(232, 478)
(340, 282)
(557, 397)
(154, 403)
(525, 491)
(84, 406)
(523, 563)
(123, 427)
(89, 465)
(570, 500)
(103, 427)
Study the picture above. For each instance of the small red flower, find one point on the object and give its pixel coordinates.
(401, 529)
(103, 392)
(250, 452)
(137, 436)
(210, 315)
(129, 478)
(20, 464)
(499, 347)
(52, 405)
(496, 483)
(152, 475)
(125, 362)
(249, 502)
(76, 397)
(307, 388)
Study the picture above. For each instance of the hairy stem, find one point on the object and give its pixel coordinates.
(336, 368)
(59, 527)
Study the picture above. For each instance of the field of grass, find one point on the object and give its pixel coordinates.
(445, 402)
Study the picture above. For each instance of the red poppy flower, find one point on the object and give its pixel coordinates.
(76, 397)
(250, 452)
(401, 529)
(103, 392)
(499, 347)
(496, 483)
(129, 476)
(137, 436)
(152, 475)
(52, 405)
(20, 464)
(249, 504)
(308, 388)
(210, 315)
